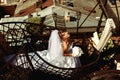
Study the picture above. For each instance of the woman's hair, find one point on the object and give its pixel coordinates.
(61, 30)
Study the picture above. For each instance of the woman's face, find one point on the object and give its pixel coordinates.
(65, 35)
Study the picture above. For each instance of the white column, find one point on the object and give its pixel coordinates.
(106, 34)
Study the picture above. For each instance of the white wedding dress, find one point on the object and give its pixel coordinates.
(54, 55)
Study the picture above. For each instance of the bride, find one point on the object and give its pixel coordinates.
(60, 53)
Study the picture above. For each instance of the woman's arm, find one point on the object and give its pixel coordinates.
(66, 51)
(70, 54)
(65, 46)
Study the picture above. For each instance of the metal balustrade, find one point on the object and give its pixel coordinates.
(19, 35)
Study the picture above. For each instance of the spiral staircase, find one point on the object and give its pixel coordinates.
(21, 41)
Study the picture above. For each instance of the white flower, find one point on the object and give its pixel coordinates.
(77, 51)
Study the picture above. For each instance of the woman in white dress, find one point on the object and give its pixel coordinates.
(59, 52)
(70, 53)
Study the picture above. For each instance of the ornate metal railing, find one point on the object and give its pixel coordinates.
(22, 38)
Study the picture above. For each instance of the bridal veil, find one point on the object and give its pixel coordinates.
(55, 52)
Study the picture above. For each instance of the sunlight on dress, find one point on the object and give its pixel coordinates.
(54, 55)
